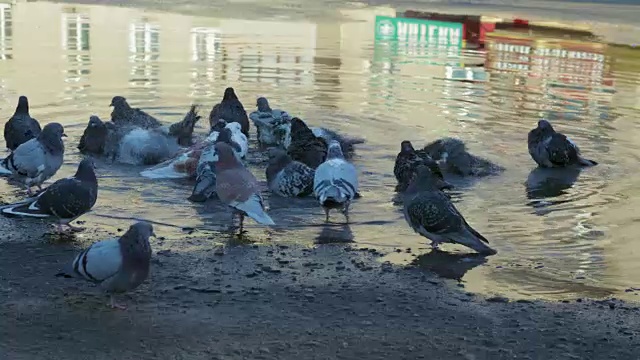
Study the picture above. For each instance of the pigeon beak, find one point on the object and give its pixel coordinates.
(153, 234)
(64, 135)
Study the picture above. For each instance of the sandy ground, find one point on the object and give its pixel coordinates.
(282, 301)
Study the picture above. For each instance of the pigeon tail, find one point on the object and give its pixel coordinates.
(333, 195)
(4, 170)
(254, 209)
(474, 240)
(24, 209)
(586, 162)
(167, 169)
(183, 130)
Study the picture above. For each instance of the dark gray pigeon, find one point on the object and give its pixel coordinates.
(346, 142)
(94, 139)
(549, 148)
(268, 121)
(454, 158)
(286, 177)
(118, 265)
(66, 199)
(406, 165)
(231, 110)
(21, 127)
(335, 183)
(431, 214)
(306, 147)
(123, 114)
(38, 159)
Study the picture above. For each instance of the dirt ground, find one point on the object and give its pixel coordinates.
(282, 301)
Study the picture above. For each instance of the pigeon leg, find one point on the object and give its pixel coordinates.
(73, 228)
(241, 223)
(114, 305)
(326, 215)
(345, 211)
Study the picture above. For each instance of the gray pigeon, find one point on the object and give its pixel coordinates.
(454, 157)
(21, 127)
(238, 188)
(406, 165)
(231, 110)
(38, 159)
(118, 265)
(124, 114)
(335, 182)
(549, 148)
(66, 199)
(431, 214)
(286, 177)
(267, 122)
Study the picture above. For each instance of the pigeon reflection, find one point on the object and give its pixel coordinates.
(545, 183)
(334, 233)
(449, 265)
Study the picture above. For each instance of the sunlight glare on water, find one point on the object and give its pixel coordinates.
(578, 242)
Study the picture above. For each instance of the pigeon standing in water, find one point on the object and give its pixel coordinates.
(336, 182)
(183, 131)
(549, 148)
(231, 110)
(66, 199)
(305, 146)
(431, 214)
(238, 188)
(286, 177)
(267, 121)
(118, 265)
(21, 127)
(454, 157)
(38, 159)
(123, 114)
(406, 165)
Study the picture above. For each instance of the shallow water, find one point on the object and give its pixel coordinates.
(577, 242)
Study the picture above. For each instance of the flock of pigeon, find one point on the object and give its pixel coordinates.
(302, 161)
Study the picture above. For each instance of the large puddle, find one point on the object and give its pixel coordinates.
(566, 241)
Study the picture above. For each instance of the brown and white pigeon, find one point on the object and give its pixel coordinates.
(65, 200)
(431, 214)
(549, 148)
(21, 127)
(118, 265)
(238, 188)
(230, 109)
(38, 159)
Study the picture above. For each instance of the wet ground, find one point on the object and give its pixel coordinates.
(562, 238)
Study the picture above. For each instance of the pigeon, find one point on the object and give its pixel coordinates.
(335, 182)
(38, 159)
(406, 165)
(123, 114)
(549, 148)
(205, 186)
(305, 147)
(431, 214)
(66, 199)
(94, 137)
(118, 265)
(231, 110)
(183, 131)
(454, 157)
(346, 143)
(286, 177)
(21, 127)
(267, 122)
(238, 188)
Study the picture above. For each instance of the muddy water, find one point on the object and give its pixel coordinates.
(556, 239)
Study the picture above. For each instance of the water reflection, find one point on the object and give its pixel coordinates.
(449, 265)
(337, 74)
(6, 31)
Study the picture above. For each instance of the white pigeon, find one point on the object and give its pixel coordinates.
(335, 183)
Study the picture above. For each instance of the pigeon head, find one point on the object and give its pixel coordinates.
(119, 102)
(263, 105)
(335, 150)
(142, 229)
(278, 160)
(545, 126)
(51, 137)
(218, 126)
(229, 94)
(226, 157)
(425, 180)
(86, 170)
(135, 243)
(300, 130)
(23, 105)
(183, 130)
(406, 147)
(225, 136)
(94, 137)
